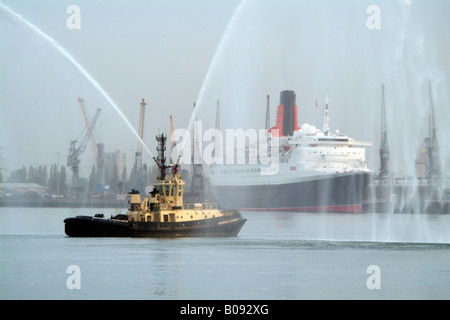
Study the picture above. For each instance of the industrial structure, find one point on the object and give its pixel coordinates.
(384, 144)
(138, 158)
(197, 191)
(99, 151)
(74, 152)
(172, 137)
(434, 172)
(426, 193)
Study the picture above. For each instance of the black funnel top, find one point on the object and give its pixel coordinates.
(287, 99)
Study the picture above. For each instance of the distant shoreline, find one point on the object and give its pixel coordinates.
(64, 203)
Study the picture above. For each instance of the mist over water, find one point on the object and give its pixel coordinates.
(312, 47)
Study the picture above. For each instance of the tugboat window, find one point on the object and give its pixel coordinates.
(167, 190)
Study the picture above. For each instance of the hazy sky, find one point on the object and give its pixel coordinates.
(162, 50)
(157, 50)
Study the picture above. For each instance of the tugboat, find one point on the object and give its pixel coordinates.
(162, 214)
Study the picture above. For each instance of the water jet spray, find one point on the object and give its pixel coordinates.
(72, 60)
(213, 65)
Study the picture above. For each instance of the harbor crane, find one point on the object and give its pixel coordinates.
(384, 144)
(138, 159)
(197, 191)
(172, 136)
(74, 152)
(434, 170)
(97, 149)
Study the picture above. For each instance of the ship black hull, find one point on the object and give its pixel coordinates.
(85, 226)
(339, 193)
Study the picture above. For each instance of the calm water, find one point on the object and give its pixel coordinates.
(276, 256)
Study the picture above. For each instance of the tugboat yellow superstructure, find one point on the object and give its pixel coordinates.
(162, 214)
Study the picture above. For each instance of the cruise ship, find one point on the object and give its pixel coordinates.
(315, 171)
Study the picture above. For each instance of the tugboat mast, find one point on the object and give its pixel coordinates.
(161, 160)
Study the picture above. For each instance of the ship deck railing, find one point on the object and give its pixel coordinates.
(194, 206)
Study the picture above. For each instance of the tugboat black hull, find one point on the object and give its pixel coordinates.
(85, 226)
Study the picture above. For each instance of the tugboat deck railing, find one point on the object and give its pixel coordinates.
(194, 206)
